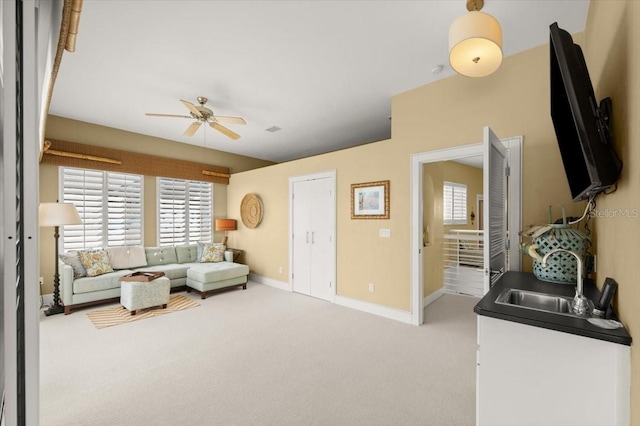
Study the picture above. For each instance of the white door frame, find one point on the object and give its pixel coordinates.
(515, 222)
(331, 174)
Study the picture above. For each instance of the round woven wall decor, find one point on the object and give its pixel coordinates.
(251, 210)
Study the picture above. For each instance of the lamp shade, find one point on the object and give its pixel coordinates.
(226, 225)
(475, 44)
(58, 214)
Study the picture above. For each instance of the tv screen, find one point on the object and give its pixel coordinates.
(581, 125)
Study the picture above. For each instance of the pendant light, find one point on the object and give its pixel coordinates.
(475, 42)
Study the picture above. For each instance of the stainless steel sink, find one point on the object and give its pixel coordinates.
(538, 301)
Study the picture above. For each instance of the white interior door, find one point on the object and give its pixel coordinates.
(301, 238)
(495, 208)
(313, 235)
(321, 238)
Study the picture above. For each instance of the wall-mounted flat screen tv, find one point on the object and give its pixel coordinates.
(582, 125)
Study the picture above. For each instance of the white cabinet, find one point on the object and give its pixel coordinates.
(528, 375)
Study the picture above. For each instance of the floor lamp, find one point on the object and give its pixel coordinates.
(56, 215)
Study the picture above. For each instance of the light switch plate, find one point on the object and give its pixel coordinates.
(385, 233)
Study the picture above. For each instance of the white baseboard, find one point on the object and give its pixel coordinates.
(372, 308)
(433, 297)
(270, 282)
(348, 302)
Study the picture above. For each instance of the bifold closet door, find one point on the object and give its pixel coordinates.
(313, 227)
(322, 217)
(301, 267)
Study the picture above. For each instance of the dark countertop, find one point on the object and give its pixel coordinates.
(567, 324)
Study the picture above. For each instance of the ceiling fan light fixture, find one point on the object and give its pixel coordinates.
(475, 44)
(202, 114)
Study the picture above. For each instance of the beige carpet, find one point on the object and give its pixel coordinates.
(118, 315)
(261, 356)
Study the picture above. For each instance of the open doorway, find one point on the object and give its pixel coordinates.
(422, 295)
(453, 255)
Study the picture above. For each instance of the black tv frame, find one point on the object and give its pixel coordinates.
(582, 126)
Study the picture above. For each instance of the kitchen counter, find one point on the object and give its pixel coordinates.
(564, 323)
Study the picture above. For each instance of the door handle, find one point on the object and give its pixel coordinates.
(312, 237)
(307, 237)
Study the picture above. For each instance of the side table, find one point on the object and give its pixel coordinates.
(236, 253)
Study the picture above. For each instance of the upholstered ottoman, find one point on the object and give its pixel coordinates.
(208, 278)
(135, 295)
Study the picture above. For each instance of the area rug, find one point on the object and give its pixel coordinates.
(118, 315)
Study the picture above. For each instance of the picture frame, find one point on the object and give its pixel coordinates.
(370, 200)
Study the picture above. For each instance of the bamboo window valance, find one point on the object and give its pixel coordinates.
(71, 154)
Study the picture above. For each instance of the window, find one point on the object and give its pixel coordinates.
(110, 206)
(455, 203)
(185, 210)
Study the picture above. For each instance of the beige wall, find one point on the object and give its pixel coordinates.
(612, 52)
(514, 101)
(451, 112)
(359, 248)
(91, 134)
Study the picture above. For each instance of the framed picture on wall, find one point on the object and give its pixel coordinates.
(370, 200)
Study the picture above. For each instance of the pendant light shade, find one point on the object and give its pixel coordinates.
(475, 44)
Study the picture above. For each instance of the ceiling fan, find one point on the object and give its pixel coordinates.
(203, 114)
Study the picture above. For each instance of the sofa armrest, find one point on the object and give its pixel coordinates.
(66, 283)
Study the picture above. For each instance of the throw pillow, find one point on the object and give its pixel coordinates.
(71, 258)
(199, 250)
(213, 252)
(127, 257)
(95, 262)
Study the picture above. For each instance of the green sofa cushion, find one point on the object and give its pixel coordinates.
(187, 254)
(160, 255)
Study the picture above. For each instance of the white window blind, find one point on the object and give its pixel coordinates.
(124, 211)
(454, 203)
(185, 211)
(109, 204)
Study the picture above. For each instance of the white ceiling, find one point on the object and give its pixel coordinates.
(323, 71)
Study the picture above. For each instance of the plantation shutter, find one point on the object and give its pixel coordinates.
(172, 198)
(495, 177)
(84, 188)
(184, 211)
(124, 194)
(200, 208)
(109, 204)
(454, 203)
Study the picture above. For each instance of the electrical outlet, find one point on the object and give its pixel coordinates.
(280, 270)
(370, 287)
(41, 281)
(385, 233)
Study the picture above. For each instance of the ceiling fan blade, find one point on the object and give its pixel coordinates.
(167, 115)
(232, 120)
(225, 131)
(192, 108)
(192, 129)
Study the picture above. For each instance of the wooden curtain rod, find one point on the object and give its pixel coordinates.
(216, 174)
(48, 150)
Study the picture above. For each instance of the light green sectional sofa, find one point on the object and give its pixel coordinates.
(176, 262)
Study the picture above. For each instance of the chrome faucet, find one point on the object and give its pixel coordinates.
(581, 305)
